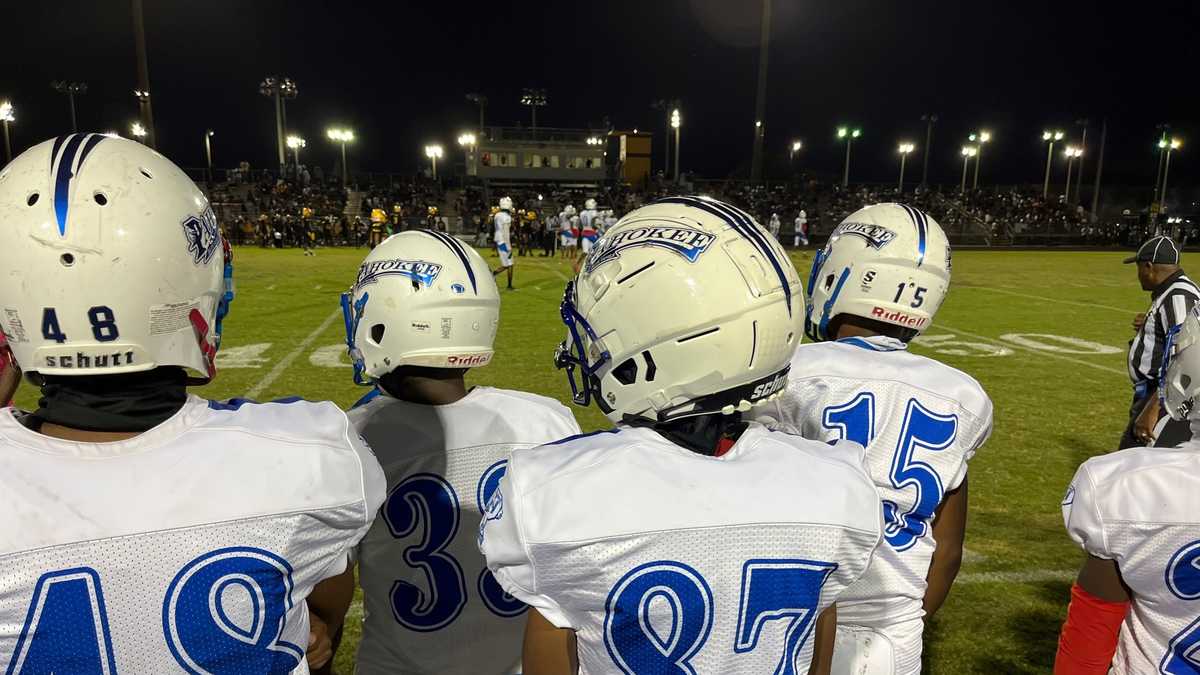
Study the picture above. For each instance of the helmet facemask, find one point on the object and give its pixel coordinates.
(580, 354)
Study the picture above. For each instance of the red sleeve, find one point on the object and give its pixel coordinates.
(1089, 635)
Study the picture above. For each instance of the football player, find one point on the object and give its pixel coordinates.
(686, 539)
(503, 222)
(874, 287)
(10, 373)
(1136, 513)
(423, 311)
(588, 226)
(149, 530)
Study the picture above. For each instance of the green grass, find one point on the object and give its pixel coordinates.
(1052, 411)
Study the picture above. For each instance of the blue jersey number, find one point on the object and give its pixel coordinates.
(923, 429)
(223, 614)
(101, 317)
(429, 502)
(1183, 580)
(659, 615)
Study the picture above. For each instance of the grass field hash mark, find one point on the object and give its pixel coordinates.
(283, 365)
(1089, 305)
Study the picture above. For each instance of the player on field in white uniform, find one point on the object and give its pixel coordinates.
(800, 234)
(149, 531)
(588, 226)
(875, 286)
(685, 539)
(569, 222)
(430, 605)
(773, 225)
(503, 222)
(1136, 513)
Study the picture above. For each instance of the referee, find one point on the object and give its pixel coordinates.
(1172, 295)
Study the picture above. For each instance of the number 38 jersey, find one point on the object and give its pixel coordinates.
(1141, 508)
(664, 560)
(188, 548)
(920, 421)
(431, 607)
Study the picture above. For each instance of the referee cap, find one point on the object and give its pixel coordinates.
(1158, 251)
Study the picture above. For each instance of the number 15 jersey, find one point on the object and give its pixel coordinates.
(920, 421)
(666, 561)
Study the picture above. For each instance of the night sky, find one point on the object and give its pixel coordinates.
(397, 73)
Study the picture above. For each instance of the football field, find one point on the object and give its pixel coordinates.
(1044, 332)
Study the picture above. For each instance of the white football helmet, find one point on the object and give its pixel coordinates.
(570, 210)
(421, 298)
(1180, 382)
(590, 204)
(113, 261)
(886, 262)
(506, 203)
(685, 307)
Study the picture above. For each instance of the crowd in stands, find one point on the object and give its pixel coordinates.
(306, 209)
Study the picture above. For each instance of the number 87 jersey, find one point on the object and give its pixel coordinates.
(920, 421)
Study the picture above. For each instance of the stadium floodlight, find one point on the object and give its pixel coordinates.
(70, 90)
(849, 135)
(295, 143)
(1072, 153)
(534, 98)
(1052, 137)
(797, 146)
(467, 140)
(342, 136)
(279, 89)
(676, 122)
(968, 152)
(434, 153)
(979, 138)
(904, 148)
(208, 134)
(137, 130)
(1170, 145)
(7, 115)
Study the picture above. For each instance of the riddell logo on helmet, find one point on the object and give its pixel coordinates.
(898, 317)
(468, 360)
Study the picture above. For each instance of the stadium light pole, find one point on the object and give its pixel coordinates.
(1052, 137)
(1072, 153)
(342, 136)
(208, 134)
(434, 153)
(676, 122)
(1173, 144)
(6, 116)
(979, 139)
(70, 90)
(968, 152)
(295, 143)
(794, 150)
(929, 119)
(904, 149)
(534, 98)
(467, 141)
(279, 88)
(849, 135)
(481, 101)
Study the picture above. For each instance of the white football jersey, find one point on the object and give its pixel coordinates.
(920, 420)
(188, 548)
(665, 560)
(1141, 508)
(431, 606)
(503, 223)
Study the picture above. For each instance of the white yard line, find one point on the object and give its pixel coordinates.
(1016, 577)
(1010, 345)
(1089, 305)
(283, 365)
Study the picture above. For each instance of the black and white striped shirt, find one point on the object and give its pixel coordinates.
(1169, 304)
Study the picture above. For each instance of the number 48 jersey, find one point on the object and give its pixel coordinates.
(1141, 508)
(920, 421)
(666, 561)
(431, 606)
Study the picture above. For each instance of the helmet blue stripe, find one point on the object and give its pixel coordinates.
(92, 141)
(739, 220)
(825, 317)
(454, 245)
(918, 218)
(62, 182)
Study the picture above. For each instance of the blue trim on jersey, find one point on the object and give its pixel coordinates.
(829, 303)
(237, 403)
(744, 225)
(456, 246)
(866, 344)
(568, 439)
(371, 396)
